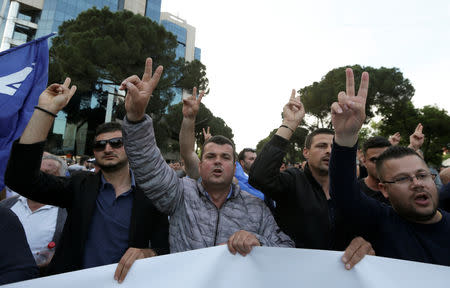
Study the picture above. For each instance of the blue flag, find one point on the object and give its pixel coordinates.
(23, 77)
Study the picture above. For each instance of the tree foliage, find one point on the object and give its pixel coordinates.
(102, 47)
(389, 97)
(205, 118)
(436, 127)
(387, 90)
(296, 143)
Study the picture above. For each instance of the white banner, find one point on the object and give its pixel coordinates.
(263, 267)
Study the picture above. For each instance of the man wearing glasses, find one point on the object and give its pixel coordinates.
(413, 228)
(109, 218)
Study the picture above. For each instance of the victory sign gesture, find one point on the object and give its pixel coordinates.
(140, 91)
(191, 105)
(348, 114)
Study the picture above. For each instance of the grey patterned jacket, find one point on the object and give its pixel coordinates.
(195, 222)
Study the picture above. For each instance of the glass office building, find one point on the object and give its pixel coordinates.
(186, 49)
(25, 20)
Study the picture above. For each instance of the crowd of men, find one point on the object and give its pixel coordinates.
(135, 205)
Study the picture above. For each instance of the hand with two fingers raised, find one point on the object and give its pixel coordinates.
(348, 114)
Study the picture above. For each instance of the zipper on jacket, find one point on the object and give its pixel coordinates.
(217, 226)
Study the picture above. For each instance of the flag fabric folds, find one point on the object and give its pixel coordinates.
(23, 77)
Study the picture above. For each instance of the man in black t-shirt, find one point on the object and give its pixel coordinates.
(372, 148)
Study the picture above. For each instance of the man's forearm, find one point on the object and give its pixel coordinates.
(152, 174)
(37, 128)
(187, 151)
(286, 130)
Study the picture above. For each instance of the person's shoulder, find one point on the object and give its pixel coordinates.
(294, 171)
(82, 173)
(9, 202)
(9, 218)
(249, 198)
(445, 215)
(191, 187)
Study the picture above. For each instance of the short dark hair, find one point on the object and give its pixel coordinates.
(241, 155)
(309, 138)
(83, 159)
(108, 127)
(375, 142)
(220, 140)
(393, 152)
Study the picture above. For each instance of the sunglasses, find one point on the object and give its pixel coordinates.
(113, 142)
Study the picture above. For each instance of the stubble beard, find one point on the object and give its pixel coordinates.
(409, 212)
(114, 167)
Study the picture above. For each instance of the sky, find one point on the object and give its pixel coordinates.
(256, 51)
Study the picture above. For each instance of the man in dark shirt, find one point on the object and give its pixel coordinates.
(372, 148)
(304, 209)
(109, 218)
(413, 228)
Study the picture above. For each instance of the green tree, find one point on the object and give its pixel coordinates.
(296, 144)
(100, 48)
(387, 89)
(205, 118)
(436, 123)
(436, 127)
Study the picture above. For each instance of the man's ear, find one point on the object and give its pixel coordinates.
(241, 162)
(383, 189)
(364, 159)
(306, 153)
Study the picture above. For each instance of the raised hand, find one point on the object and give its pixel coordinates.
(395, 139)
(206, 134)
(293, 112)
(56, 96)
(348, 114)
(140, 91)
(416, 139)
(191, 105)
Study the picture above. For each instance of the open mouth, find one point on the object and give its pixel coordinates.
(217, 171)
(422, 199)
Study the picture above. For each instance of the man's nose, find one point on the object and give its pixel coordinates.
(415, 181)
(108, 147)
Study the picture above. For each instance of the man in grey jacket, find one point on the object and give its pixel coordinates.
(204, 213)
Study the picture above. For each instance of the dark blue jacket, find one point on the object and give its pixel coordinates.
(390, 234)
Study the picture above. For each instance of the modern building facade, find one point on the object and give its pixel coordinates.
(185, 34)
(24, 20)
(186, 49)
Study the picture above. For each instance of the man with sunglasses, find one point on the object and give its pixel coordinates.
(413, 228)
(372, 149)
(109, 218)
